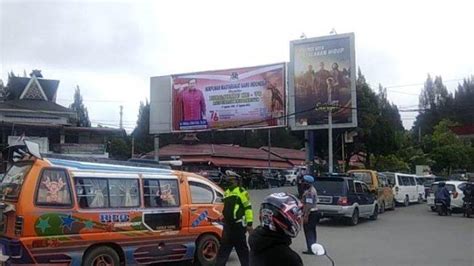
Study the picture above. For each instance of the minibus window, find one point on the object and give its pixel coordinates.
(124, 193)
(92, 192)
(161, 193)
(201, 193)
(13, 180)
(53, 188)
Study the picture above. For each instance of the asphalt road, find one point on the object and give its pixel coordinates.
(406, 236)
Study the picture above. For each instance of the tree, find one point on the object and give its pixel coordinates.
(449, 152)
(82, 116)
(435, 103)
(391, 163)
(119, 149)
(144, 142)
(463, 102)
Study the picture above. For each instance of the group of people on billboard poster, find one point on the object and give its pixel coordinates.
(313, 88)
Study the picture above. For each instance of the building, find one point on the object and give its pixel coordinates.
(28, 110)
(208, 156)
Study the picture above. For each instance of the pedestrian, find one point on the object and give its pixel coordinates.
(238, 218)
(310, 212)
(280, 220)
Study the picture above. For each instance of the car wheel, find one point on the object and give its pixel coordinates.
(101, 255)
(420, 199)
(206, 250)
(375, 214)
(354, 220)
(406, 202)
(293, 183)
(433, 208)
(382, 207)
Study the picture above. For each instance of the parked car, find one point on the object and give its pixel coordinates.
(274, 178)
(405, 188)
(290, 176)
(344, 197)
(378, 184)
(455, 189)
(428, 180)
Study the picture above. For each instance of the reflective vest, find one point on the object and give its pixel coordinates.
(237, 206)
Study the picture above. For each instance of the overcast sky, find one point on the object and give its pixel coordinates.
(112, 48)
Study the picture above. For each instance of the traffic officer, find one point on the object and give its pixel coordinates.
(238, 218)
(310, 214)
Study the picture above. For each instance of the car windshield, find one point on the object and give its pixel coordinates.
(13, 180)
(329, 187)
(363, 176)
(435, 188)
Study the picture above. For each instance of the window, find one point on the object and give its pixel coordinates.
(201, 193)
(53, 188)
(412, 181)
(462, 186)
(363, 176)
(124, 193)
(365, 189)
(161, 193)
(419, 181)
(382, 180)
(407, 180)
(358, 187)
(350, 185)
(400, 181)
(92, 192)
(13, 180)
(219, 197)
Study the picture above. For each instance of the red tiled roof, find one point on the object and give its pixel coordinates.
(286, 153)
(216, 150)
(244, 163)
(463, 130)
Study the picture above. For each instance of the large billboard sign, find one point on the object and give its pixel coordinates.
(322, 76)
(251, 97)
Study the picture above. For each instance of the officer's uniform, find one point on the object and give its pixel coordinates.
(237, 216)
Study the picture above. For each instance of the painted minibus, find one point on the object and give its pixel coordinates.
(56, 211)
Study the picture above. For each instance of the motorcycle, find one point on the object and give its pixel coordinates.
(319, 250)
(442, 208)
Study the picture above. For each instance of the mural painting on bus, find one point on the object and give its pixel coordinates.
(53, 224)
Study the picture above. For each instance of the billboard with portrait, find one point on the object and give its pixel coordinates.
(251, 97)
(322, 76)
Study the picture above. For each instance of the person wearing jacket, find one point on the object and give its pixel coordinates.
(238, 218)
(443, 195)
(280, 219)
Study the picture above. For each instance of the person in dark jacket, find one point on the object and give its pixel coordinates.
(443, 195)
(280, 219)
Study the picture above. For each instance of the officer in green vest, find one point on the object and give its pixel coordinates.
(238, 218)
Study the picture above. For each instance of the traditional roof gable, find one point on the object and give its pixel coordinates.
(18, 85)
(33, 91)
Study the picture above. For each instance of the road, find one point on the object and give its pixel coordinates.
(404, 237)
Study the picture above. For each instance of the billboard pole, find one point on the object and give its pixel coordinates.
(157, 147)
(330, 156)
(269, 151)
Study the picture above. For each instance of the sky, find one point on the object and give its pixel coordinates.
(110, 49)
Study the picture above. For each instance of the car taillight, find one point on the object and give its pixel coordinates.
(18, 225)
(455, 194)
(342, 201)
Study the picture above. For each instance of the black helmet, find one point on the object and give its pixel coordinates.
(441, 184)
(281, 212)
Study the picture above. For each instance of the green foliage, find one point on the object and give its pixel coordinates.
(391, 163)
(144, 142)
(82, 116)
(119, 148)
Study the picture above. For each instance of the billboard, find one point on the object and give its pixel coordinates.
(251, 97)
(322, 76)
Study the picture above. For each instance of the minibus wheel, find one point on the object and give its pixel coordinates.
(101, 256)
(206, 250)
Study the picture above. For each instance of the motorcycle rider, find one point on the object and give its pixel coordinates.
(280, 219)
(443, 195)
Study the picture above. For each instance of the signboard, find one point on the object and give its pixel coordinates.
(252, 97)
(322, 77)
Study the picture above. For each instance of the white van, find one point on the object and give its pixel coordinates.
(405, 188)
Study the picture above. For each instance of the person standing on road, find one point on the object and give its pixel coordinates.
(238, 218)
(280, 219)
(310, 212)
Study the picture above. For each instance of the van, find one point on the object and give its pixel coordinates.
(71, 212)
(405, 188)
(378, 184)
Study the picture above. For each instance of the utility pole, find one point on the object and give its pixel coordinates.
(330, 155)
(133, 146)
(343, 155)
(121, 117)
(157, 148)
(269, 151)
